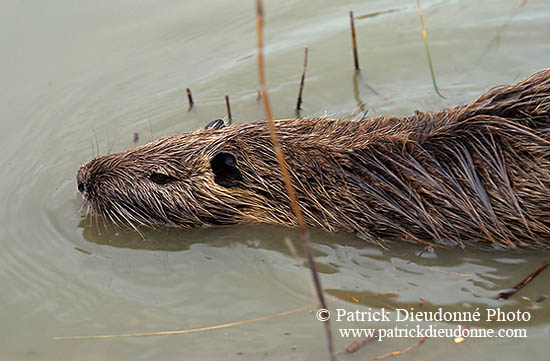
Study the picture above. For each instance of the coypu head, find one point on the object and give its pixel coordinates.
(196, 179)
(155, 183)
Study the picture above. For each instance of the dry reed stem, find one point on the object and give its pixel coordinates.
(190, 97)
(505, 295)
(193, 330)
(228, 109)
(448, 272)
(354, 42)
(358, 344)
(285, 173)
(299, 102)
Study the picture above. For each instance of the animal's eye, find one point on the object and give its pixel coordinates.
(160, 178)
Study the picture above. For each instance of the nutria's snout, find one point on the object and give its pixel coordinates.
(82, 181)
(469, 174)
(87, 175)
(186, 181)
(81, 186)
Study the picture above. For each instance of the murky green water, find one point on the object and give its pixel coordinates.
(76, 71)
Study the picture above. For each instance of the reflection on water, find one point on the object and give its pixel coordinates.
(365, 274)
(77, 72)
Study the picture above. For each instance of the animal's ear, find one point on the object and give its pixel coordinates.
(225, 168)
(215, 124)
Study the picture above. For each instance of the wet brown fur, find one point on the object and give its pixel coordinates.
(478, 173)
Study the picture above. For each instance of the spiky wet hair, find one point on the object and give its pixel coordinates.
(469, 174)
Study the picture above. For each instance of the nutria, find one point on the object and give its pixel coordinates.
(478, 173)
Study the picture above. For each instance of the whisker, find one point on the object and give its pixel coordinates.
(97, 142)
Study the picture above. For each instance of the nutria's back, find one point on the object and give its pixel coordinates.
(475, 173)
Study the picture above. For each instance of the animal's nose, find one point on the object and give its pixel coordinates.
(84, 187)
(83, 179)
(81, 187)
